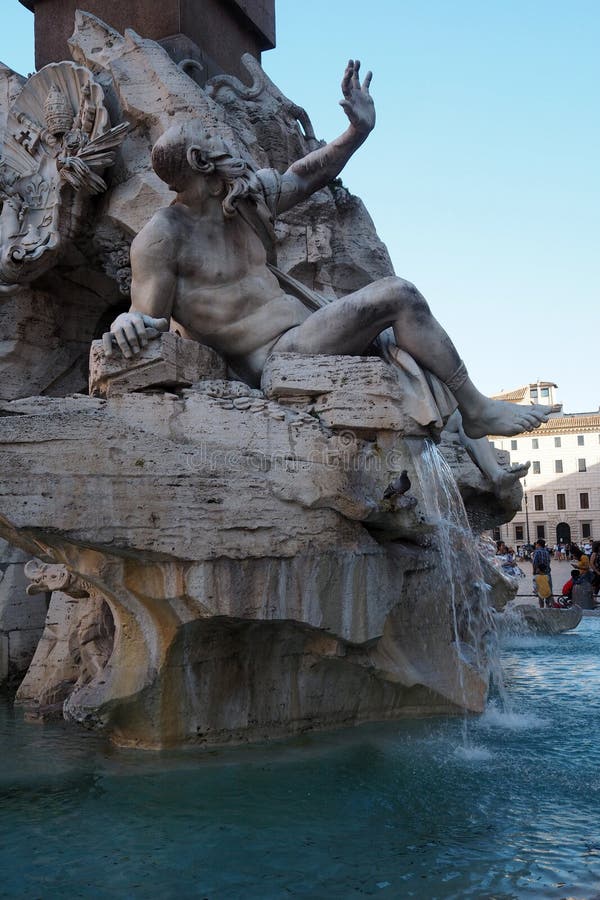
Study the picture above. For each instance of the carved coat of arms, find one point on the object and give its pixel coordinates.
(58, 141)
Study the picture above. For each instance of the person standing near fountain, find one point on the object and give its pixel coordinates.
(203, 261)
(541, 563)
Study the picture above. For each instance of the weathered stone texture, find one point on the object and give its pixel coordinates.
(216, 523)
(171, 362)
(220, 32)
(549, 621)
(21, 616)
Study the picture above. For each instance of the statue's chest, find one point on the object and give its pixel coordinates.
(221, 254)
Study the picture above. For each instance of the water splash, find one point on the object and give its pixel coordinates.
(473, 753)
(497, 717)
(511, 624)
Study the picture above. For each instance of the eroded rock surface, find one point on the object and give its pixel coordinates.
(258, 582)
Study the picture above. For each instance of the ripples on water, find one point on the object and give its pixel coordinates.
(391, 811)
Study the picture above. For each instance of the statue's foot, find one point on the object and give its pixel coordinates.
(505, 478)
(502, 418)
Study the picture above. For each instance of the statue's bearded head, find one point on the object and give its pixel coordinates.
(187, 150)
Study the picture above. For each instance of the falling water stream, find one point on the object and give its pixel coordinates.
(472, 618)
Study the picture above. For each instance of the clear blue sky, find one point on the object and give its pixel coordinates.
(482, 174)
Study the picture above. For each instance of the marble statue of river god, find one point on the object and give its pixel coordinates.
(204, 261)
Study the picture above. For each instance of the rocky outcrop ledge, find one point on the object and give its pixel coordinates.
(222, 563)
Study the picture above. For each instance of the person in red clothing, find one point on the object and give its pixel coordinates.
(567, 588)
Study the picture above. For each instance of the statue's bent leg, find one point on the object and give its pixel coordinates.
(350, 324)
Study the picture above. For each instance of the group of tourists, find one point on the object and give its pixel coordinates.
(562, 551)
(583, 585)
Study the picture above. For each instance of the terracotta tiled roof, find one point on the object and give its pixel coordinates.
(521, 393)
(576, 423)
(516, 396)
(589, 422)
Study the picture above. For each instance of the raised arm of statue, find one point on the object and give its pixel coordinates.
(314, 171)
(153, 283)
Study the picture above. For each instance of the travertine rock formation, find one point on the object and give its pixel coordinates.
(21, 616)
(546, 621)
(229, 568)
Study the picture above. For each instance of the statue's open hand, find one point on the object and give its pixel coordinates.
(131, 331)
(357, 103)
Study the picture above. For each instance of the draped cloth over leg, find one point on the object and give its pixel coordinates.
(427, 399)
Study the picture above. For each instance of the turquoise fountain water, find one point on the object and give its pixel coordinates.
(383, 811)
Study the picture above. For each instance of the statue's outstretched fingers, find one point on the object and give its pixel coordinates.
(107, 343)
(347, 78)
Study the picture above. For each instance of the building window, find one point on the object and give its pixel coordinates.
(580, 465)
(558, 466)
(540, 531)
(518, 532)
(513, 445)
(545, 392)
(535, 444)
(535, 467)
(538, 501)
(584, 501)
(586, 530)
(557, 442)
(561, 501)
(580, 440)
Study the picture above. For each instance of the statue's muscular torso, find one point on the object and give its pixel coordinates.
(210, 274)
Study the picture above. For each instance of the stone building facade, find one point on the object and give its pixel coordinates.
(562, 490)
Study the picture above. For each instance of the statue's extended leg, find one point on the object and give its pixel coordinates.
(350, 324)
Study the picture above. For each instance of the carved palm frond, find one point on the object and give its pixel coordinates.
(101, 151)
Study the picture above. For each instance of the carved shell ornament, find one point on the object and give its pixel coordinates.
(57, 142)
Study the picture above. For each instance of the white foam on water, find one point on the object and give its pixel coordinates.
(494, 717)
(473, 753)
